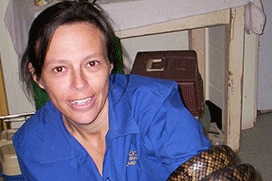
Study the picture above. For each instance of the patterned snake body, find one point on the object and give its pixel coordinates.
(215, 164)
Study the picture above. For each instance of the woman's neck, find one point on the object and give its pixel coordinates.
(92, 137)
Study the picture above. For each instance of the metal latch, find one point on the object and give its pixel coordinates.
(149, 65)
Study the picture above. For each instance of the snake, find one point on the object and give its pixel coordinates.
(218, 163)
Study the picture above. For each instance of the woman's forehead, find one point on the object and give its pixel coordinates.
(76, 41)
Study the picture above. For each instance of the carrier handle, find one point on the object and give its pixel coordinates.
(149, 65)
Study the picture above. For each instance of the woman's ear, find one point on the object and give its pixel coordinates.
(111, 68)
(34, 76)
(32, 71)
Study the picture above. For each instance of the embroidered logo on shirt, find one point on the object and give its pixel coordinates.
(132, 158)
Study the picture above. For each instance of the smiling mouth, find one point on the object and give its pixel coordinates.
(81, 101)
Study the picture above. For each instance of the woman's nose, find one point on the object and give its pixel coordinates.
(79, 81)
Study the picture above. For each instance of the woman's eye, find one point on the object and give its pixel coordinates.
(58, 69)
(92, 63)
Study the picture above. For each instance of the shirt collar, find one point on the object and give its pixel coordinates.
(121, 119)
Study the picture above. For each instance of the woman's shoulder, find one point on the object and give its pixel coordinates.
(38, 123)
(134, 89)
(140, 79)
(42, 133)
(133, 82)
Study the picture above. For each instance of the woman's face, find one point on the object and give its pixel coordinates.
(76, 72)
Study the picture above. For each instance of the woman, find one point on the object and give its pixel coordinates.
(97, 126)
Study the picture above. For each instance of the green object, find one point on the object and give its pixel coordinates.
(40, 95)
(118, 56)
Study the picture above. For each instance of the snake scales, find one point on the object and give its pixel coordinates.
(215, 164)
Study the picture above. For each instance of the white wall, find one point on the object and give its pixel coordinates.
(265, 62)
(17, 102)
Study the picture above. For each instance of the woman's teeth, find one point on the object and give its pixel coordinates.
(81, 102)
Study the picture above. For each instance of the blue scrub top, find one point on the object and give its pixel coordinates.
(150, 134)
